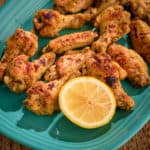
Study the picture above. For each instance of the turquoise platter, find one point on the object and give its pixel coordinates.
(56, 132)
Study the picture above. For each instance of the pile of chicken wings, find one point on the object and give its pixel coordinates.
(99, 56)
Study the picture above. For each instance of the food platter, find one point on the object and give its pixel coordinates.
(56, 132)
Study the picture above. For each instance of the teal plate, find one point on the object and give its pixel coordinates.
(56, 132)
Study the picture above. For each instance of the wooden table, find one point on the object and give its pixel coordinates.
(141, 141)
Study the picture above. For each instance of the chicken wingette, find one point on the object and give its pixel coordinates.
(102, 67)
(140, 38)
(49, 22)
(21, 74)
(132, 62)
(21, 42)
(70, 41)
(113, 24)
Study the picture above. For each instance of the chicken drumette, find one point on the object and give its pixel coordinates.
(21, 73)
(72, 6)
(133, 63)
(21, 42)
(140, 37)
(102, 67)
(70, 41)
(50, 22)
(113, 23)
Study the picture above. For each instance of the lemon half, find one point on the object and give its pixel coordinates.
(87, 102)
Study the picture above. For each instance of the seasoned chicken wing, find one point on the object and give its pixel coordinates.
(42, 97)
(113, 23)
(132, 62)
(141, 9)
(50, 22)
(72, 63)
(70, 41)
(21, 73)
(21, 42)
(102, 67)
(140, 37)
(72, 6)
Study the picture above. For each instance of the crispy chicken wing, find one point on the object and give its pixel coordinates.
(132, 62)
(50, 22)
(42, 97)
(70, 41)
(72, 6)
(113, 23)
(21, 73)
(100, 65)
(21, 42)
(140, 37)
(141, 9)
(72, 63)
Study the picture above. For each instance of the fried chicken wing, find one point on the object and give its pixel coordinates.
(141, 9)
(42, 97)
(21, 42)
(100, 65)
(140, 37)
(132, 62)
(72, 6)
(48, 22)
(70, 41)
(72, 63)
(113, 23)
(21, 73)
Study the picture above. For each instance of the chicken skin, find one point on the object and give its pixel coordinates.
(113, 23)
(100, 66)
(140, 37)
(72, 6)
(43, 97)
(48, 22)
(103, 4)
(70, 41)
(141, 9)
(133, 63)
(21, 42)
(21, 73)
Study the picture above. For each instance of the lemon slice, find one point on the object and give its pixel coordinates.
(87, 102)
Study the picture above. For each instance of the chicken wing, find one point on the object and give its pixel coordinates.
(42, 97)
(140, 37)
(113, 23)
(72, 63)
(100, 65)
(21, 73)
(21, 42)
(70, 41)
(141, 9)
(48, 22)
(132, 62)
(72, 6)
